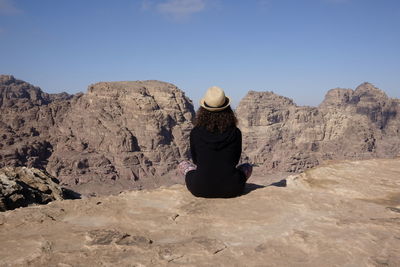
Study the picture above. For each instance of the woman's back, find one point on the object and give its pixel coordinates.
(215, 152)
(216, 156)
(216, 146)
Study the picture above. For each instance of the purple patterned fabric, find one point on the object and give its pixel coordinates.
(246, 168)
(186, 166)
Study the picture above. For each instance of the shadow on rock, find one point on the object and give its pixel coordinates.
(70, 194)
(251, 187)
(281, 183)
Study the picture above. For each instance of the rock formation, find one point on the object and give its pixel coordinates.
(131, 135)
(27, 121)
(131, 132)
(341, 214)
(21, 186)
(349, 124)
(117, 136)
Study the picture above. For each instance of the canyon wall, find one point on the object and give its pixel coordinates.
(127, 135)
(131, 135)
(278, 135)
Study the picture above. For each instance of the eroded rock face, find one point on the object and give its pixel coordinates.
(117, 136)
(130, 135)
(349, 124)
(341, 214)
(21, 186)
(27, 119)
(129, 131)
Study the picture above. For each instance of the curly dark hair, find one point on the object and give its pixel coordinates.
(215, 121)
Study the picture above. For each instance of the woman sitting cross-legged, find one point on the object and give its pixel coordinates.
(216, 146)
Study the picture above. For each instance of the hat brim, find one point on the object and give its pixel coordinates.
(226, 104)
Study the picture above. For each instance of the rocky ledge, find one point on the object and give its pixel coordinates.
(344, 213)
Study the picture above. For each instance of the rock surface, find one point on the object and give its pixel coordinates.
(349, 124)
(21, 186)
(127, 133)
(117, 136)
(131, 135)
(339, 214)
(28, 118)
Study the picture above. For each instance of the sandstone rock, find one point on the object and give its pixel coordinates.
(118, 136)
(131, 135)
(21, 186)
(280, 136)
(123, 132)
(339, 214)
(27, 120)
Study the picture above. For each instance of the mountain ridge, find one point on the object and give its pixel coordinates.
(132, 134)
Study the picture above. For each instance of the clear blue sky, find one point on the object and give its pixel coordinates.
(296, 48)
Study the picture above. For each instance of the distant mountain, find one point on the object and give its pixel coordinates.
(131, 135)
(119, 135)
(348, 124)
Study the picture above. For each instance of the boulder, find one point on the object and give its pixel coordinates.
(21, 186)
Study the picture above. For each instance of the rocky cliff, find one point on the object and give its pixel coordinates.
(131, 132)
(117, 136)
(349, 124)
(131, 135)
(341, 214)
(28, 118)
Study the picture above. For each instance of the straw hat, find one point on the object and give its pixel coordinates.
(215, 99)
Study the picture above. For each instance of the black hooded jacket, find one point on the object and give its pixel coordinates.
(216, 156)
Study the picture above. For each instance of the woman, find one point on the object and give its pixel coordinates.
(216, 146)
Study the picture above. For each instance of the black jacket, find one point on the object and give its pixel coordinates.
(216, 156)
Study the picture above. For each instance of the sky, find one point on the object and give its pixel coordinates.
(295, 48)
